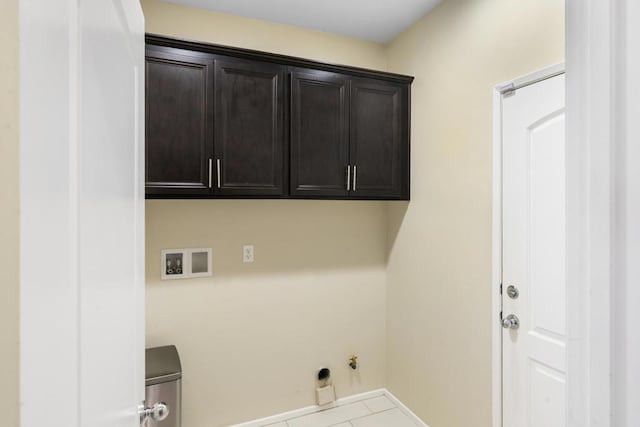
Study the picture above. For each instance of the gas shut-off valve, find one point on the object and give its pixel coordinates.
(353, 362)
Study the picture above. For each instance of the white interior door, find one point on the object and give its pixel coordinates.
(82, 213)
(110, 212)
(533, 263)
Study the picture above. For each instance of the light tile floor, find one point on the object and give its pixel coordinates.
(375, 412)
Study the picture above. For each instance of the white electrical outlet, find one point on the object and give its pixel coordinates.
(247, 253)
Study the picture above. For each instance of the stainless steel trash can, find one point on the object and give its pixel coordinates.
(164, 384)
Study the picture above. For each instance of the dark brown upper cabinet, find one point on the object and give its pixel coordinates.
(249, 141)
(179, 121)
(348, 137)
(379, 156)
(319, 136)
(223, 122)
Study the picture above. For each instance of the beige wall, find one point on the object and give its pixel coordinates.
(196, 24)
(9, 399)
(439, 269)
(252, 337)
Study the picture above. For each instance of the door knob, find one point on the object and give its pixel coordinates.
(511, 322)
(158, 412)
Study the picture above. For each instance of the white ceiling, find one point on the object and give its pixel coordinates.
(376, 20)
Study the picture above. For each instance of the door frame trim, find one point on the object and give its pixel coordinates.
(496, 229)
(601, 61)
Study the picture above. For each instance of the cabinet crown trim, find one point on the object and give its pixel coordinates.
(159, 40)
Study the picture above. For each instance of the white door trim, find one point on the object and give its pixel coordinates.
(496, 298)
(602, 126)
(588, 68)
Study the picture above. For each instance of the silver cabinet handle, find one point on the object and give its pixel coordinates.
(348, 177)
(355, 177)
(210, 170)
(218, 170)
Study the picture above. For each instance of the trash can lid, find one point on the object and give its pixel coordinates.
(162, 365)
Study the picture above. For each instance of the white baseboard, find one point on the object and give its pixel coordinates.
(340, 402)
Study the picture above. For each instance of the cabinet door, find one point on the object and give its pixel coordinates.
(319, 134)
(379, 143)
(249, 141)
(179, 122)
